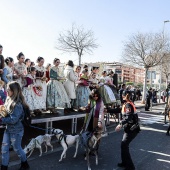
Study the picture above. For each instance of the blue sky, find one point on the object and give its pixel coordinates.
(32, 26)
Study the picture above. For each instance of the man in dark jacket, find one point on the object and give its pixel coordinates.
(1, 61)
(148, 98)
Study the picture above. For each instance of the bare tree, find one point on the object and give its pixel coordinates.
(166, 67)
(145, 50)
(77, 40)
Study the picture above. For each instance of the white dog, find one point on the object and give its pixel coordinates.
(37, 142)
(66, 141)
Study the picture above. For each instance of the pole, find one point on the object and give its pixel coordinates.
(160, 81)
(167, 90)
(144, 86)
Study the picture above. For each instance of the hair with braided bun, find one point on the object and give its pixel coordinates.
(8, 59)
(39, 59)
(20, 55)
(55, 59)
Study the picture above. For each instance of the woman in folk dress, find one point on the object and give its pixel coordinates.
(77, 72)
(31, 92)
(82, 91)
(110, 83)
(20, 69)
(8, 71)
(41, 81)
(48, 67)
(28, 63)
(105, 91)
(69, 84)
(56, 94)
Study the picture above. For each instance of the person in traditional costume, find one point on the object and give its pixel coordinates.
(85, 67)
(105, 91)
(69, 84)
(95, 70)
(56, 93)
(82, 91)
(2, 64)
(77, 72)
(28, 63)
(20, 69)
(93, 82)
(110, 82)
(41, 81)
(32, 92)
(48, 67)
(8, 71)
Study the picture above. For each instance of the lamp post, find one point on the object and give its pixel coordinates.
(160, 76)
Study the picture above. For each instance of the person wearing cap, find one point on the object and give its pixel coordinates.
(1, 61)
(131, 128)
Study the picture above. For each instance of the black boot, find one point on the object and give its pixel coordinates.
(24, 166)
(4, 167)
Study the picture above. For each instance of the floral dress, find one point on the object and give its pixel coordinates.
(106, 92)
(20, 69)
(40, 73)
(56, 93)
(82, 92)
(109, 80)
(32, 94)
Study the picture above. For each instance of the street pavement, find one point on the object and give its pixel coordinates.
(150, 150)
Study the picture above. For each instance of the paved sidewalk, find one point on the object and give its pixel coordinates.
(139, 104)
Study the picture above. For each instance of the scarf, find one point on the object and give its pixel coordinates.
(97, 109)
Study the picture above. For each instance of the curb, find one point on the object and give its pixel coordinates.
(155, 104)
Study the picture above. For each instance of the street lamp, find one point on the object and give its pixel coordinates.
(160, 81)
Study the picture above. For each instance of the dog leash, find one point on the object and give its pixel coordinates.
(40, 128)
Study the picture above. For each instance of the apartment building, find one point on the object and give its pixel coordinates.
(126, 73)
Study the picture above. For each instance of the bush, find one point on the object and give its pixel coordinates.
(129, 83)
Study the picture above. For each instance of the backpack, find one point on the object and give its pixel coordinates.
(26, 121)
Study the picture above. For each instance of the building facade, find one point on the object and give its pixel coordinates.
(126, 73)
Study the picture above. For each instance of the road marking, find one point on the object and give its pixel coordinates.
(146, 118)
